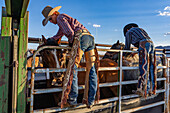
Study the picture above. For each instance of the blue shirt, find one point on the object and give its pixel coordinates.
(134, 36)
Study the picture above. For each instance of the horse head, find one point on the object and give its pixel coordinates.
(114, 55)
(118, 45)
(52, 58)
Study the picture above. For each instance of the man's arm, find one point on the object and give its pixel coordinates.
(128, 41)
(65, 27)
(59, 35)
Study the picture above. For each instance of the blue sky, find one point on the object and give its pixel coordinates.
(111, 15)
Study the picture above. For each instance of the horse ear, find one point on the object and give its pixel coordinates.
(44, 39)
(117, 42)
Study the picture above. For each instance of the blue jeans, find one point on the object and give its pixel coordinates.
(146, 65)
(86, 44)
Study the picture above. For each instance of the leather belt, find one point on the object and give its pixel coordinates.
(82, 31)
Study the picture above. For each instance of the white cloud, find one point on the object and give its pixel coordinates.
(115, 30)
(89, 23)
(168, 33)
(96, 25)
(165, 13)
(167, 8)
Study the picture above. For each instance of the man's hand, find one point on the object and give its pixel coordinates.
(52, 42)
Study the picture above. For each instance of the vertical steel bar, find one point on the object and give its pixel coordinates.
(32, 83)
(32, 91)
(167, 86)
(15, 73)
(22, 61)
(24, 8)
(120, 82)
(165, 82)
(117, 104)
(8, 6)
(5, 46)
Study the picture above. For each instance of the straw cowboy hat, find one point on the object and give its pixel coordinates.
(47, 12)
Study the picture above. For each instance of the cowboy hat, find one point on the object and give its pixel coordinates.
(47, 12)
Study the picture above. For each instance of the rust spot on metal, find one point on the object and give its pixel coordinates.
(2, 37)
(4, 102)
(2, 82)
(2, 55)
(2, 76)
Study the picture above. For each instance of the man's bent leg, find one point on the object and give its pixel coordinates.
(92, 85)
(91, 77)
(67, 83)
(74, 87)
(143, 65)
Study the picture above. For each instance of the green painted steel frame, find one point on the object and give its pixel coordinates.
(5, 46)
(22, 61)
(16, 8)
(5, 57)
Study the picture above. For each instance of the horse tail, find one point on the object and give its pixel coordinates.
(97, 65)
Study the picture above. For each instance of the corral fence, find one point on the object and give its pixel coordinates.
(119, 83)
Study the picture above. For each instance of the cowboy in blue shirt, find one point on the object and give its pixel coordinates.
(140, 39)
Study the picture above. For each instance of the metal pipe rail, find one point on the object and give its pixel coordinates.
(120, 83)
(53, 90)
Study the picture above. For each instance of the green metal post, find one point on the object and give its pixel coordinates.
(22, 61)
(5, 45)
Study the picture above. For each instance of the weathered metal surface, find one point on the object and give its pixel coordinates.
(5, 42)
(8, 6)
(24, 8)
(6, 24)
(15, 74)
(22, 60)
(16, 8)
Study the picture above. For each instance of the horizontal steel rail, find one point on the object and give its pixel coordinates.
(52, 70)
(52, 90)
(143, 107)
(57, 109)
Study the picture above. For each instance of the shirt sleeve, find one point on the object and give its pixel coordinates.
(58, 35)
(128, 41)
(65, 27)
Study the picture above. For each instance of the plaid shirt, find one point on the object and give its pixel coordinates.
(67, 26)
(134, 36)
